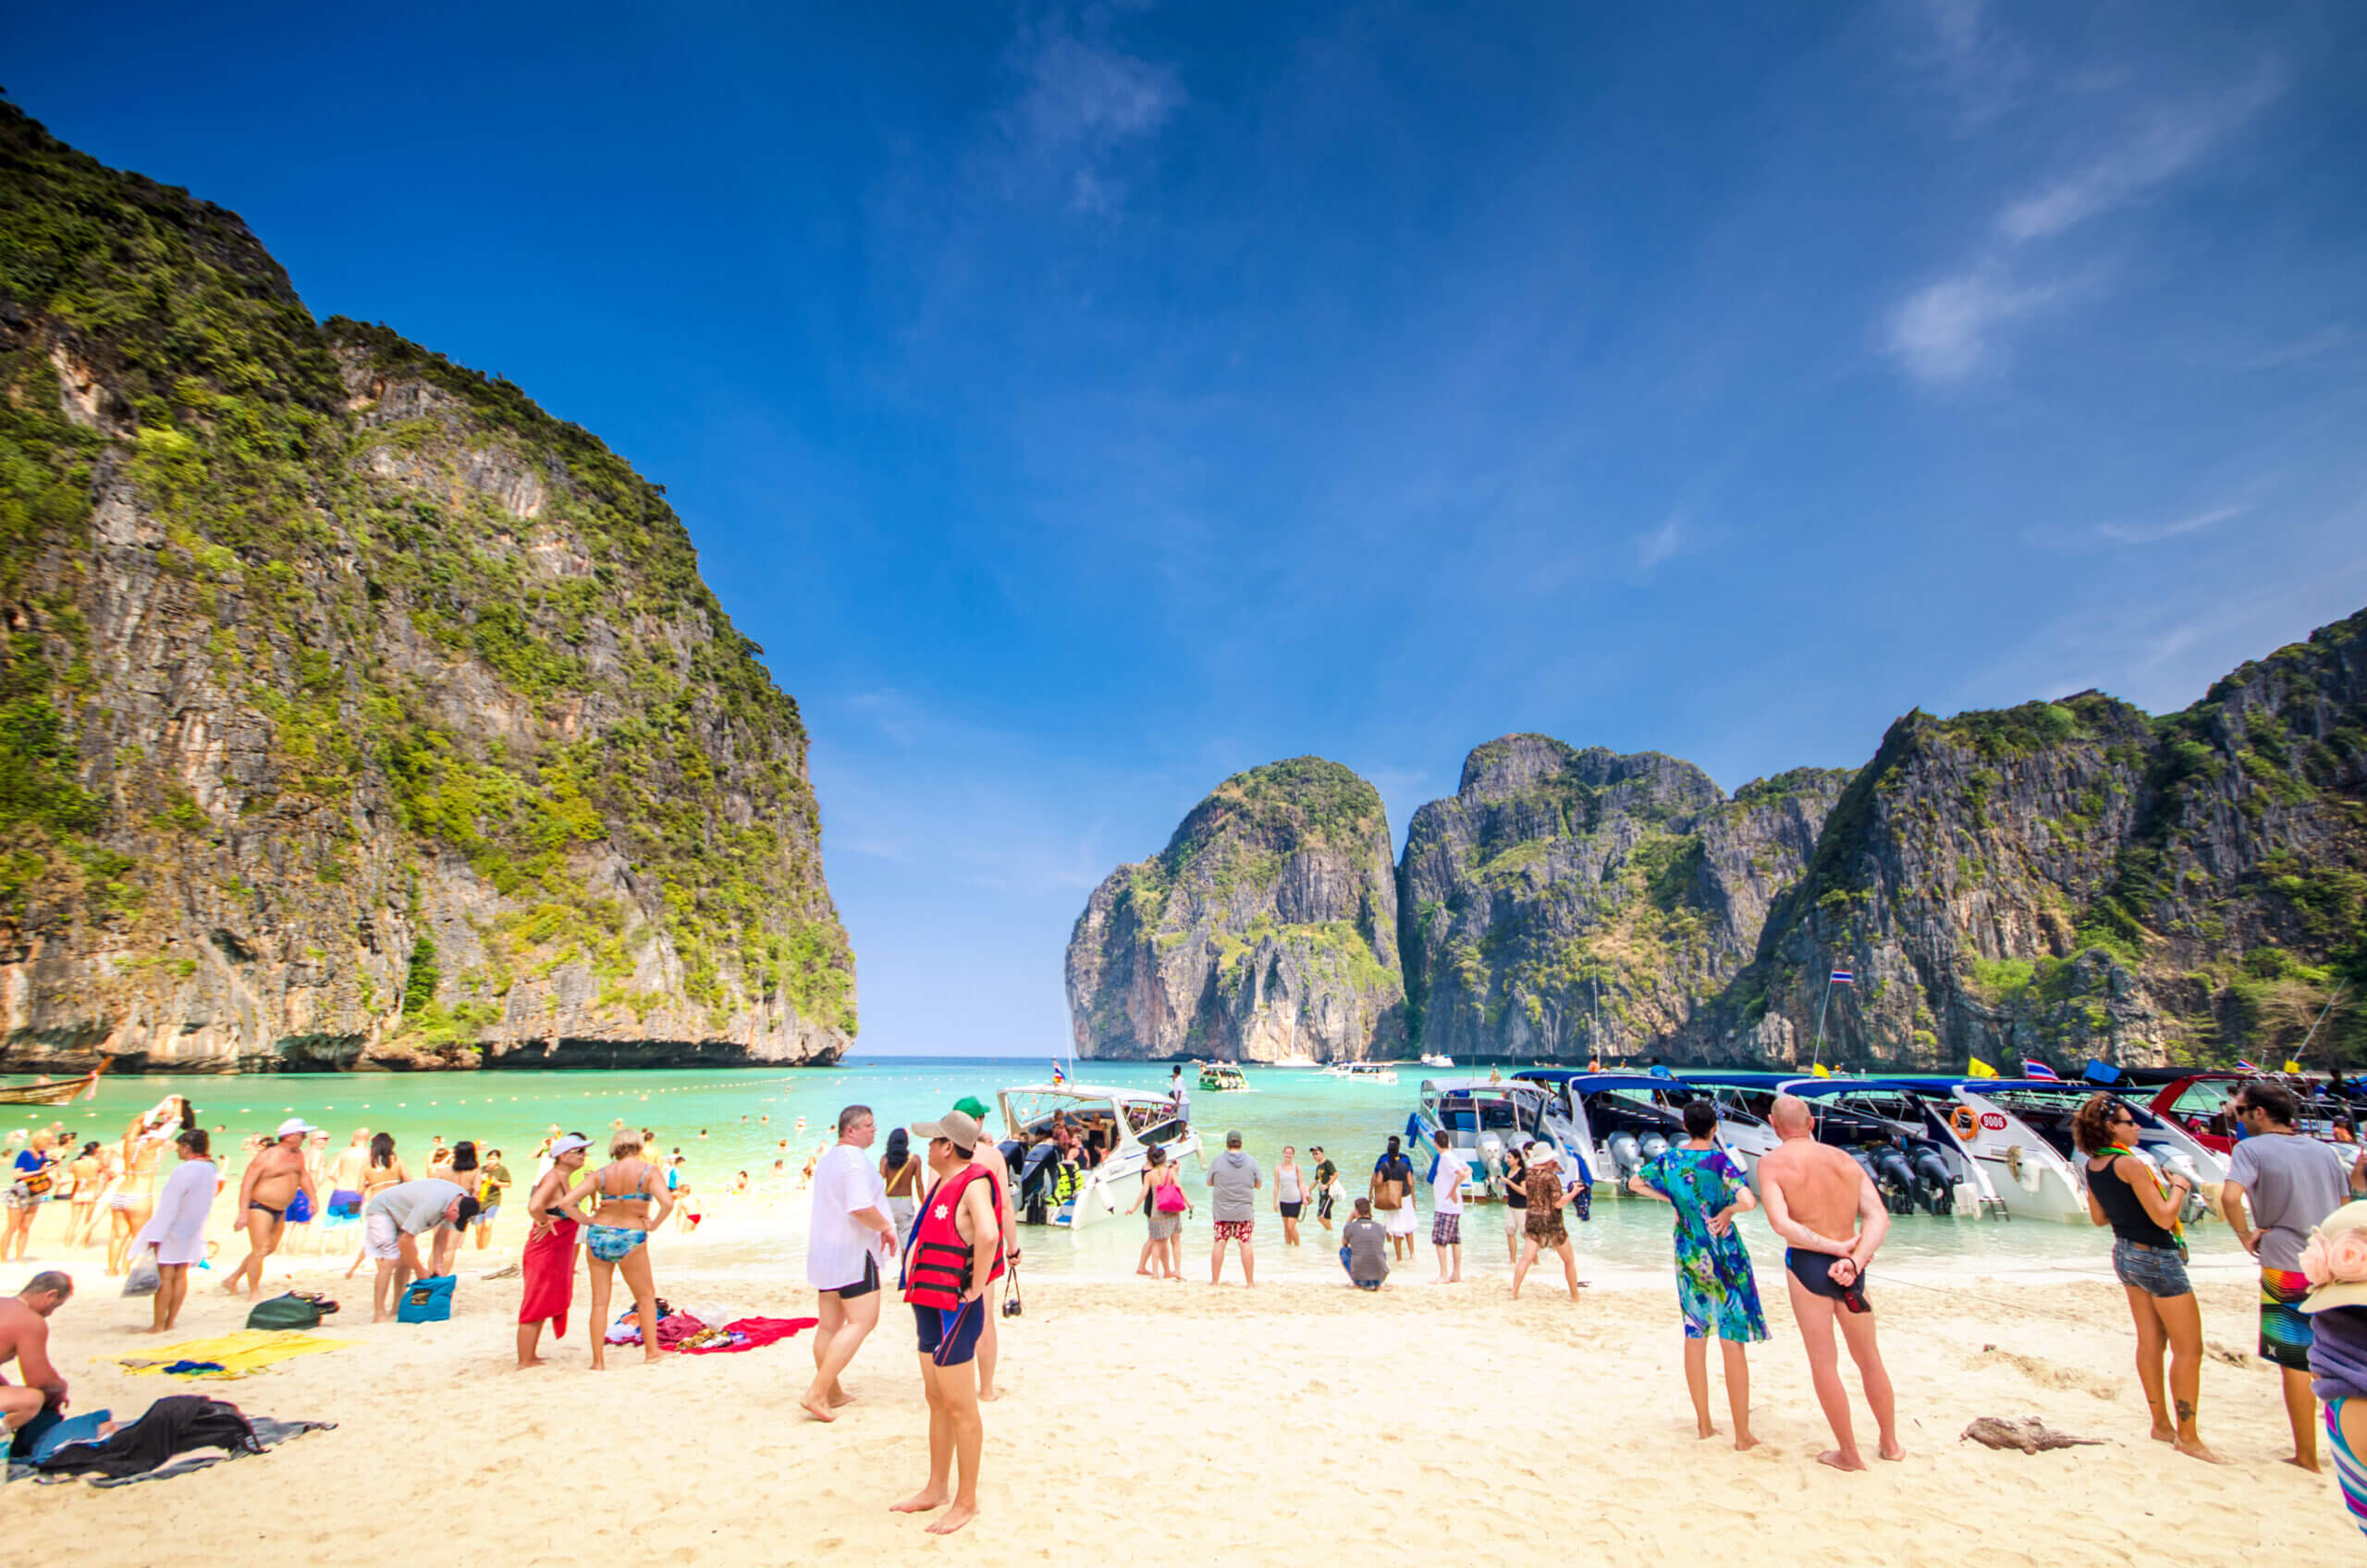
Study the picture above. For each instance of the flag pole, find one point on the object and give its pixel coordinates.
(1818, 1060)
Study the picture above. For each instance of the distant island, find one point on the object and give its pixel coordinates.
(2059, 880)
(354, 711)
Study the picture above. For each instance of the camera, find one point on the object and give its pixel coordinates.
(1010, 1306)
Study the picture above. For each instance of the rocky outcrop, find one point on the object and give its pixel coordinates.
(2074, 879)
(1568, 903)
(352, 709)
(1265, 930)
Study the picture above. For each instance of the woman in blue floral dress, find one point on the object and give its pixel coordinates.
(1714, 1285)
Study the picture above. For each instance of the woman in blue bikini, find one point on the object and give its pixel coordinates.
(632, 1202)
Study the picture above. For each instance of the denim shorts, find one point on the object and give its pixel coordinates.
(2158, 1272)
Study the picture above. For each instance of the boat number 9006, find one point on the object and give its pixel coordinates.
(1993, 1121)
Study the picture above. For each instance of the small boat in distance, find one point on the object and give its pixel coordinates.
(1437, 1060)
(41, 1091)
(1219, 1076)
(1362, 1071)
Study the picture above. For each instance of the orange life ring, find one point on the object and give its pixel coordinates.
(1966, 1123)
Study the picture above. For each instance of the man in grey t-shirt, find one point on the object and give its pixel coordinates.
(1233, 1181)
(2290, 1183)
(1365, 1252)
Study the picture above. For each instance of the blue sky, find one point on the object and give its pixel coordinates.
(1082, 404)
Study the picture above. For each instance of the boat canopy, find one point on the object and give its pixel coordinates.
(1579, 1081)
(1818, 1089)
(1027, 1106)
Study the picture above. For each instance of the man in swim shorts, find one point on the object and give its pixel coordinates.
(392, 1223)
(274, 1176)
(344, 1177)
(953, 1256)
(24, 1339)
(1824, 1204)
(848, 1240)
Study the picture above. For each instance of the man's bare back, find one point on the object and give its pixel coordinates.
(1819, 1183)
(345, 1172)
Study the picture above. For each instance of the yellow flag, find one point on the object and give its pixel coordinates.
(1981, 1069)
(2292, 1066)
(1821, 1071)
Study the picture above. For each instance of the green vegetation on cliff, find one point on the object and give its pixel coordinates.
(318, 641)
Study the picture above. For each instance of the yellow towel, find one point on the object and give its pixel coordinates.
(249, 1350)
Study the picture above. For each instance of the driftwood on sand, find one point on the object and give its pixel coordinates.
(2030, 1435)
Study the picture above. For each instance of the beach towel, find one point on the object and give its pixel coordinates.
(752, 1333)
(249, 1350)
(267, 1432)
(548, 1264)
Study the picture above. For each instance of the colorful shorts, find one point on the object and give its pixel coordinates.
(1235, 1229)
(2349, 1468)
(21, 1196)
(2284, 1327)
(1446, 1229)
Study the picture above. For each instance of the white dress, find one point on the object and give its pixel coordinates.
(178, 1228)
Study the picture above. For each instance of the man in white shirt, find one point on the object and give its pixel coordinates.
(847, 1242)
(1446, 1208)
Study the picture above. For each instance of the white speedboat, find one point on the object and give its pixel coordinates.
(1131, 1123)
(1362, 1071)
(2018, 1130)
(1481, 1120)
(1892, 1127)
(1429, 1060)
(1614, 1122)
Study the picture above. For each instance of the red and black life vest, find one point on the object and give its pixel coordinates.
(937, 1261)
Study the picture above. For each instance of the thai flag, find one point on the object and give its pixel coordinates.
(1059, 1076)
(1843, 977)
(2248, 1065)
(2039, 1069)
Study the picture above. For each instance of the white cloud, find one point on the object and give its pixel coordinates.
(2154, 533)
(2325, 340)
(1940, 333)
(1081, 103)
(1657, 544)
(2165, 145)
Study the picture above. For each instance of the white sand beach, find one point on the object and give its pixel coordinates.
(1300, 1421)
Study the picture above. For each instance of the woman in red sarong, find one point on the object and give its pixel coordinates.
(549, 1261)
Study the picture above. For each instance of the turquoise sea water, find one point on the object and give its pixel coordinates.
(725, 1123)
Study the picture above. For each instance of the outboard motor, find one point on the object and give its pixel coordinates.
(1036, 1179)
(1896, 1179)
(1654, 1145)
(1626, 1156)
(1935, 1186)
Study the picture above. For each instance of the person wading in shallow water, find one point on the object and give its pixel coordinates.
(1824, 1204)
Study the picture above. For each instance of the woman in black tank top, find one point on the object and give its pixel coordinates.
(2142, 1209)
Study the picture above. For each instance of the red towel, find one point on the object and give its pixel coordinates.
(755, 1331)
(550, 1267)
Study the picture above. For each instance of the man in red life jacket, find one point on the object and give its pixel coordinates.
(953, 1255)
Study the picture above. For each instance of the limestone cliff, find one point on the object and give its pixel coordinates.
(352, 709)
(2071, 878)
(1266, 929)
(1568, 902)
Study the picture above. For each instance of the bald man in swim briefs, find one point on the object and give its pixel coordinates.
(1824, 1204)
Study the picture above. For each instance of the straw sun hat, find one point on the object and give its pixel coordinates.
(2335, 1260)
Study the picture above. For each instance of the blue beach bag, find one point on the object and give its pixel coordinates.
(427, 1301)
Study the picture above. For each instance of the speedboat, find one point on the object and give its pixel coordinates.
(1888, 1125)
(2019, 1132)
(1219, 1076)
(1362, 1071)
(1615, 1122)
(1440, 1061)
(1482, 1120)
(2203, 1104)
(1132, 1124)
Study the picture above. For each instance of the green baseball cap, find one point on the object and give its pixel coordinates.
(971, 1105)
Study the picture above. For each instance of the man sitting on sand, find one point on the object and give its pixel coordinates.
(392, 1223)
(955, 1252)
(1364, 1251)
(275, 1176)
(1824, 1204)
(24, 1339)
